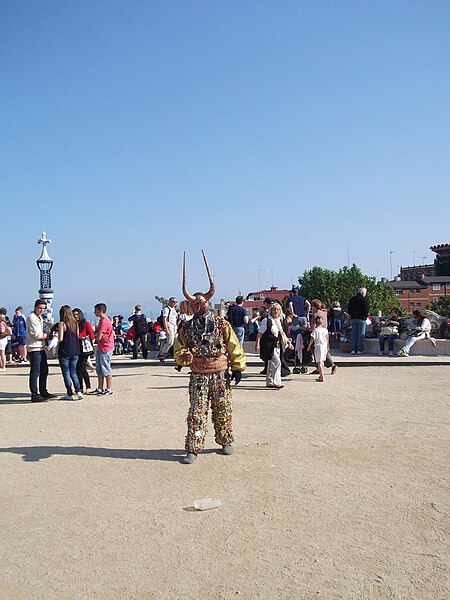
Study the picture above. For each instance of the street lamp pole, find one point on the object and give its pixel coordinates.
(391, 252)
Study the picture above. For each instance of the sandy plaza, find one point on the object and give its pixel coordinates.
(335, 491)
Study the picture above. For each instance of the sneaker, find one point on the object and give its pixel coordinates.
(79, 396)
(107, 392)
(391, 354)
(97, 392)
(402, 353)
(360, 352)
(66, 397)
(433, 341)
(227, 449)
(380, 353)
(352, 352)
(333, 369)
(48, 396)
(161, 359)
(189, 458)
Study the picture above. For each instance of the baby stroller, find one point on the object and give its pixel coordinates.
(301, 336)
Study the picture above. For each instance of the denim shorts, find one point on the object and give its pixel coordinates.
(103, 363)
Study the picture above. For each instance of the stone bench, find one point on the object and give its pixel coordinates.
(372, 346)
(420, 348)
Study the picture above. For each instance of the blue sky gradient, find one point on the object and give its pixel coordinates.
(271, 134)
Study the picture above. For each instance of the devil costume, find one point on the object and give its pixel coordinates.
(210, 347)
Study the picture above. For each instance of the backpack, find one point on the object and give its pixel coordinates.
(159, 320)
(140, 325)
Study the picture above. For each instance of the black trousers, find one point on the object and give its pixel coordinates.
(82, 374)
(38, 373)
(143, 339)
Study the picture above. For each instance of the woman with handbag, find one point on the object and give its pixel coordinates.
(68, 352)
(86, 337)
(390, 331)
(268, 344)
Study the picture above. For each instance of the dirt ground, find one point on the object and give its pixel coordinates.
(335, 491)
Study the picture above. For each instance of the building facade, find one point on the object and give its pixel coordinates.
(417, 287)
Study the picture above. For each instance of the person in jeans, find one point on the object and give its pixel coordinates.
(36, 339)
(68, 352)
(105, 347)
(20, 333)
(390, 332)
(238, 319)
(358, 308)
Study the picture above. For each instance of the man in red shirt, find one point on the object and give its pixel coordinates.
(105, 347)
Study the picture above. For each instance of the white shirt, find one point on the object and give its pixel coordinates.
(171, 316)
(274, 329)
(320, 337)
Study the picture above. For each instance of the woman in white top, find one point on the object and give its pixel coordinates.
(422, 332)
(319, 337)
(270, 337)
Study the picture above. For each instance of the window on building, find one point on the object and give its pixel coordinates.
(418, 304)
(399, 292)
(436, 287)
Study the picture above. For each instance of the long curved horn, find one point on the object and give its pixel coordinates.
(212, 287)
(186, 294)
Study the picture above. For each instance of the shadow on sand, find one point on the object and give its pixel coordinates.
(37, 453)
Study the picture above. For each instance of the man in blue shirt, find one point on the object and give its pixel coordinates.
(238, 318)
(300, 307)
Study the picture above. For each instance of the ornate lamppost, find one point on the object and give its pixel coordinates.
(45, 264)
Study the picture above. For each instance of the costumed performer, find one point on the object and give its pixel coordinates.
(210, 347)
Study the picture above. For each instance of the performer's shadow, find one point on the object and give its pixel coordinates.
(37, 453)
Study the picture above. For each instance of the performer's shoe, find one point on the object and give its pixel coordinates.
(333, 369)
(189, 458)
(178, 368)
(227, 449)
(263, 372)
(275, 387)
(315, 372)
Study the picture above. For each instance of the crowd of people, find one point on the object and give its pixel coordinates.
(294, 335)
(212, 346)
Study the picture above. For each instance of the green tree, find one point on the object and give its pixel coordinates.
(441, 306)
(164, 301)
(328, 286)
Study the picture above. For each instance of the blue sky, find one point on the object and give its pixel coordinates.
(271, 134)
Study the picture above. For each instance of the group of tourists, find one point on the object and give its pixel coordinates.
(210, 345)
(74, 337)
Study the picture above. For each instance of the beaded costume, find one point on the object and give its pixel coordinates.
(210, 347)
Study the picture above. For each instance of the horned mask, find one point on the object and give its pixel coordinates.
(199, 300)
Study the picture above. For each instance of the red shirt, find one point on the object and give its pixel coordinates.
(105, 335)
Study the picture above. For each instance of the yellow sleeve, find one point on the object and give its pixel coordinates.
(237, 356)
(178, 352)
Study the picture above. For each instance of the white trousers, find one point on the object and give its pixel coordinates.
(169, 341)
(412, 340)
(273, 376)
